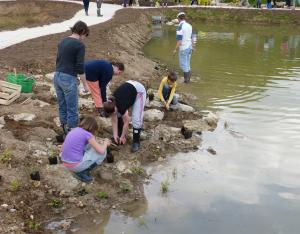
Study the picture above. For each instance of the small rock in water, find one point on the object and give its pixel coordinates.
(211, 150)
(4, 206)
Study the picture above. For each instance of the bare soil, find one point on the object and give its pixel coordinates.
(15, 14)
(31, 204)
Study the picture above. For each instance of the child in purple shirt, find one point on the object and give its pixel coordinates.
(81, 152)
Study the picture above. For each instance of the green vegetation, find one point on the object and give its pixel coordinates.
(6, 155)
(125, 188)
(102, 195)
(164, 186)
(33, 225)
(14, 184)
(137, 170)
(55, 203)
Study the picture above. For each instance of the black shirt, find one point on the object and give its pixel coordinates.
(125, 97)
(70, 56)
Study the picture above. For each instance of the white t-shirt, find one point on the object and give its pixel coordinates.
(184, 34)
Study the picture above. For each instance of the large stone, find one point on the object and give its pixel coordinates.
(212, 120)
(53, 92)
(197, 125)
(166, 133)
(50, 76)
(153, 115)
(86, 103)
(153, 104)
(60, 178)
(183, 108)
(40, 103)
(22, 117)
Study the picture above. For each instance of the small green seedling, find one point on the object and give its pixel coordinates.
(125, 188)
(5, 155)
(14, 184)
(142, 222)
(33, 225)
(102, 195)
(138, 170)
(164, 186)
(55, 203)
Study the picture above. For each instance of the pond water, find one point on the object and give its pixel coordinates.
(251, 76)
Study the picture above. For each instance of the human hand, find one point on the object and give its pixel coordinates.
(107, 142)
(167, 106)
(174, 51)
(117, 140)
(122, 140)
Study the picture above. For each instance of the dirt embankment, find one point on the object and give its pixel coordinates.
(26, 140)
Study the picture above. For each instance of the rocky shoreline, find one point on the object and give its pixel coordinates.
(29, 126)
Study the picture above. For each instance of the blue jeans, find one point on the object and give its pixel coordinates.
(90, 157)
(67, 97)
(86, 4)
(185, 59)
(166, 93)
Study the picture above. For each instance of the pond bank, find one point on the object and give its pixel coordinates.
(29, 127)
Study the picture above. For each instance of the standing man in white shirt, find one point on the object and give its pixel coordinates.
(184, 44)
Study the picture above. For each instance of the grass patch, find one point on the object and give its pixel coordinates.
(55, 203)
(102, 195)
(6, 155)
(14, 184)
(164, 186)
(125, 188)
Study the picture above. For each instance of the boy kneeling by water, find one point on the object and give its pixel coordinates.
(80, 152)
(166, 91)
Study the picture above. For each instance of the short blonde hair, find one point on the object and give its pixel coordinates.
(89, 124)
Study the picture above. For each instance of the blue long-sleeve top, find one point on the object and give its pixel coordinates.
(99, 70)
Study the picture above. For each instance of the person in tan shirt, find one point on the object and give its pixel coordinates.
(166, 91)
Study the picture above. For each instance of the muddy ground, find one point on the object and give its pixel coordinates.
(28, 206)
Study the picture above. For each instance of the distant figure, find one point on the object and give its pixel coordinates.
(80, 152)
(98, 74)
(99, 3)
(70, 64)
(269, 4)
(86, 4)
(184, 44)
(288, 3)
(258, 3)
(167, 88)
(129, 94)
(125, 3)
(194, 1)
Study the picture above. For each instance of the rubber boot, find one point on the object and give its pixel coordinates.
(186, 77)
(189, 76)
(83, 176)
(136, 140)
(88, 170)
(99, 12)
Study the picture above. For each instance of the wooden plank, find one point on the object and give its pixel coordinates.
(9, 92)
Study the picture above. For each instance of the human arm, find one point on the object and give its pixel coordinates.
(126, 119)
(114, 122)
(80, 66)
(172, 93)
(160, 91)
(97, 147)
(178, 44)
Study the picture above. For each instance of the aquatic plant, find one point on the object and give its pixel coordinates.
(6, 155)
(54, 203)
(164, 186)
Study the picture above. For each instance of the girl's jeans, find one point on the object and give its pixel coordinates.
(90, 157)
(86, 4)
(166, 93)
(185, 59)
(67, 97)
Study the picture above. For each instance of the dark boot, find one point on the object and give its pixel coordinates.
(83, 176)
(99, 12)
(189, 76)
(186, 77)
(136, 140)
(88, 170)
(61, 137)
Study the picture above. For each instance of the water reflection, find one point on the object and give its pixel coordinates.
(251, 75)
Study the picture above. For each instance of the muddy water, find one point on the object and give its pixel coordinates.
(251, 76)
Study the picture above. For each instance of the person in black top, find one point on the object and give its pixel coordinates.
(130, 94)
(69, 64)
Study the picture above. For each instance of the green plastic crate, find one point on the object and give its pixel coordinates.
(21, 79)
